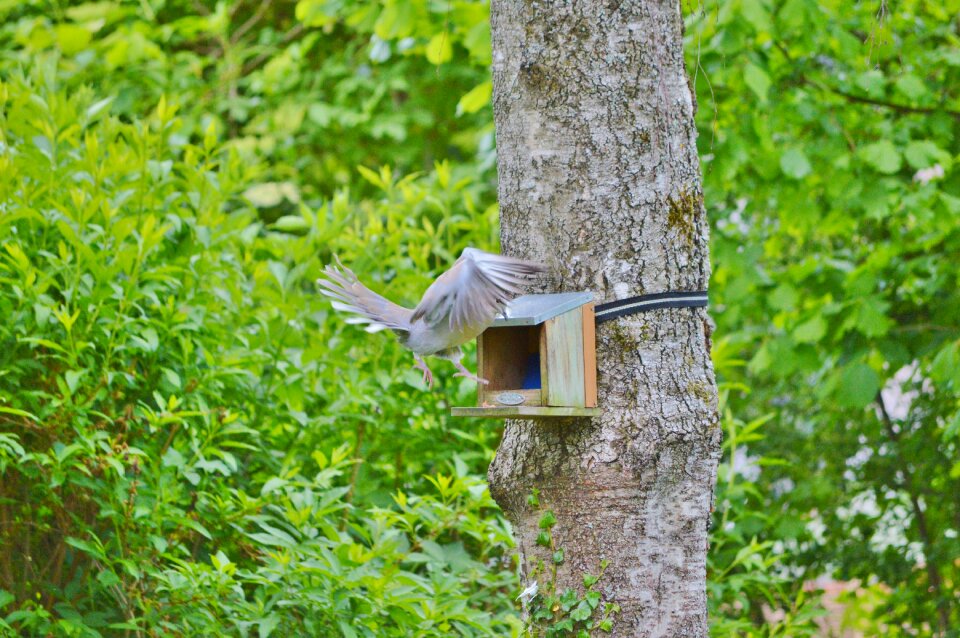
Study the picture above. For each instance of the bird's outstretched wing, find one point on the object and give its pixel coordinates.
(349, 295)
(474, 290)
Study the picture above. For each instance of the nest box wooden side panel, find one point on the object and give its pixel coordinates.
(561, 356)
(589, 356)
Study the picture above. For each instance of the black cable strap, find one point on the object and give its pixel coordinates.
(642, 303)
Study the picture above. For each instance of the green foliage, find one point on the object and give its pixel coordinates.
(315, 89)
(433, 565)
(558, 614)
(168, 383)
(746, 574)
(829, 137)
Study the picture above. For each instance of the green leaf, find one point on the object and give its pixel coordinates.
(16, 412)
(372, 176)
(267, 625)
(811, 330)
(925, 153)
(44, 145)
(475, 99)
(133, 626)
(197, 527)
(793, 14)
(955, 470)
(172, 378)
(882, 156)
(73, 379)
(858, 387)
(292, 224)
(395, 21)
(148, 341)
(279, 271)
(273, 485)
(107, 578)
(568, 599)
(758, 81)
(172, 458)
(72, 39)
(872, 318)
(795, 164)
(784, 297)
(945, 366)
(439, 49)
(97, 107)
(477, 42)
(347, 630)
(562, 627)
(581, 612)
(533, 498)
(315, 13)
(872, 82)
(912, 87)
(757, 15)
(85, 546)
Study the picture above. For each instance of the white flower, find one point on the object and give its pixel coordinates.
(927, 175)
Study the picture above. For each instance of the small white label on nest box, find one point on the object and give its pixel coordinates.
(509, 398)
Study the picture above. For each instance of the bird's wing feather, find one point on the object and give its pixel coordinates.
(349, 295)
(474, 290)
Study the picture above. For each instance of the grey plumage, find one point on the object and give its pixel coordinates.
(457, 307)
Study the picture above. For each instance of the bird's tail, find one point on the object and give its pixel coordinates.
(367, 307)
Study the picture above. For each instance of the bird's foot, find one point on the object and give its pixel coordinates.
(463, 372)
(471, 376)
(427, 375)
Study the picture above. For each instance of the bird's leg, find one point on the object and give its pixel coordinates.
(463, 372)
(422, 365)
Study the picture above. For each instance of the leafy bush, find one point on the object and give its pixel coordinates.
(829, 133)
(314, 87)
(163, 349)
(750, 589)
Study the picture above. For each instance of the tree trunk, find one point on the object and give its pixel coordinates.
(599, 179)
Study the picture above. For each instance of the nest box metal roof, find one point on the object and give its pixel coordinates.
(531, 310)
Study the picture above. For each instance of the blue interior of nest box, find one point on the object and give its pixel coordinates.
(531, 375)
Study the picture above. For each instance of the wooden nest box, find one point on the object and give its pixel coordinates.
(540, 358)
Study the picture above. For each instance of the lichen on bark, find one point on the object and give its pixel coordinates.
(600, 180)
(683, 211)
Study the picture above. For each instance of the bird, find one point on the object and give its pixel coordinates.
(459, 305)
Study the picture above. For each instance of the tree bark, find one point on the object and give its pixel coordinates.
(599, 179)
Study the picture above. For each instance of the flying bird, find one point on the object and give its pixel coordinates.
(458, 306)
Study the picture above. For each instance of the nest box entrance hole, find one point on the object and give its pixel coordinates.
(510, 359)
